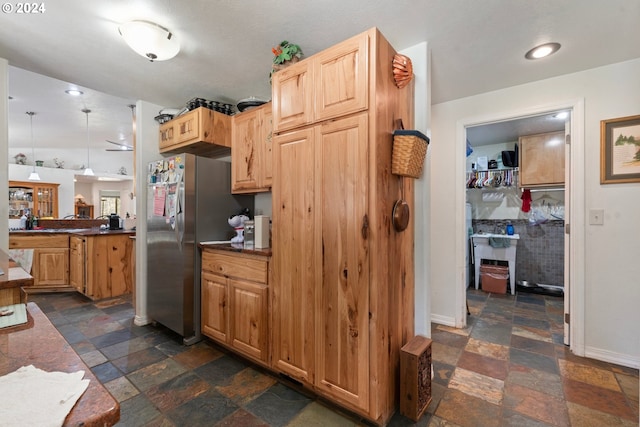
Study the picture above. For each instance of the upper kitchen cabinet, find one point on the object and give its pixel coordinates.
(542, 160)
(330, 84)
(40, 198)
(251, 145)
(200, 131)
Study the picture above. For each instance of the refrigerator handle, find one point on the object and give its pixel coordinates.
(179, 219)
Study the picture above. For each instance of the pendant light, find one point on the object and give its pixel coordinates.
(88, 171)
(34, 175)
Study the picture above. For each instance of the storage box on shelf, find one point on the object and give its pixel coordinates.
(201, 131)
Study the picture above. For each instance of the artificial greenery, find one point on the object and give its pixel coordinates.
(286, 52)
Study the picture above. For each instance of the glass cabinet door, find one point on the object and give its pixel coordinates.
(20, 199)
(47, 201)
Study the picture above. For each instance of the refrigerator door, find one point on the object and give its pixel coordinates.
(170, 261)
(185, 207)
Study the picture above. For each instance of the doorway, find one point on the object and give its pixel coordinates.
(573, 261)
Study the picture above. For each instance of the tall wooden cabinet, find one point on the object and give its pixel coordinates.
(342, 295)
(251, 150)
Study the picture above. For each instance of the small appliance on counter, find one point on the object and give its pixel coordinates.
(114, 222)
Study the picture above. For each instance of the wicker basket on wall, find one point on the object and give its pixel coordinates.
(409, 151)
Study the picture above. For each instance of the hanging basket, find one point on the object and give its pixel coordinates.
(409, 151)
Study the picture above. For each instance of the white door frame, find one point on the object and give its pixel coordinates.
(575, 260)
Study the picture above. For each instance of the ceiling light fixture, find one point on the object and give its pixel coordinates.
(150, 40)
(542, 50)
(34, 175)
(88, 171)
(74, 92)
(561, 115)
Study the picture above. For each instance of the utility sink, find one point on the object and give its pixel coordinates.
(482, 249)
(487, 235)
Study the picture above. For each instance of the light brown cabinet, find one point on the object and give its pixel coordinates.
(50, 261)
(109, 268)
(200, 131)
(342, 292)
(40, 198)
(235, 302)
(77, 262)
(84, 211)
(542, 160)
(251, 150)
(332, 83)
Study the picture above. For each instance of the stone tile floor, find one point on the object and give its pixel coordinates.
(508, 367)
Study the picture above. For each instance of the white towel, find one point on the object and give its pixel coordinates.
(33, 397)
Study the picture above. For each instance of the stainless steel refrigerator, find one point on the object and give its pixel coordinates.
(188, 201)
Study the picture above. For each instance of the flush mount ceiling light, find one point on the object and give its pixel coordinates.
(542, 50)
(150, 40)
(34, 175)
(88, 171)
(74, 92)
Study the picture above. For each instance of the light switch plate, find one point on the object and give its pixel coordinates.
(596, 216)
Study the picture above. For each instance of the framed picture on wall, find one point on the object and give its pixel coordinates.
(620, 150)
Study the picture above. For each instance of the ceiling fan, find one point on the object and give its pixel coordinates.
(123, 147)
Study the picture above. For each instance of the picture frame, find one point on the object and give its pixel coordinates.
(620, 150)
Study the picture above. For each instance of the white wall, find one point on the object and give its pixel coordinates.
(611, 268)
(4, 143)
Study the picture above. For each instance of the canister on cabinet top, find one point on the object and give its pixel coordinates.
(262, 231)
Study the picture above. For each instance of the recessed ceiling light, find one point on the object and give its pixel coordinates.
(542, 50)
(561, 115)
(74, 92)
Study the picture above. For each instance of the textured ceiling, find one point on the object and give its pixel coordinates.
(476, 46)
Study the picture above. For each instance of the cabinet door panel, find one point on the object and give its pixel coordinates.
(77, 261)
(215, 309)
(266, 138)
(292, 96)
(186, 127)
(341, 78)
(52, 266)
(343, 327)
(249, 322)
(542, 159)
(244, 151)
(294, 242)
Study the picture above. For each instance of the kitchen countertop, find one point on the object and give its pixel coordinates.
(236, 247)
(79, 231)
(43, 347)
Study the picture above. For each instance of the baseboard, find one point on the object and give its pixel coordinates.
(443, 320)
(612, 357)
(141, 320)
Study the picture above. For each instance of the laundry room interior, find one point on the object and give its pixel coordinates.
(515, 205)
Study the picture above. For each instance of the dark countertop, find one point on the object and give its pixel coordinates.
(80, 231)
(43, 347)
(236, 247)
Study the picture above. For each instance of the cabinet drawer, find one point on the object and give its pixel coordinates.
(44, 240)
(236, 265)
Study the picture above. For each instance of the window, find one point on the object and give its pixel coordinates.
(109, 202)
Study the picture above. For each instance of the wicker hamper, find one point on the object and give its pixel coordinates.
(409, 151)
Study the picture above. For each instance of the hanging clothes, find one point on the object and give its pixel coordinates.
(526, 200)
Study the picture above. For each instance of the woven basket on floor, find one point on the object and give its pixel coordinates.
(409, 151)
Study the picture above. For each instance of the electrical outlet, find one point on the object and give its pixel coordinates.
(596, 216)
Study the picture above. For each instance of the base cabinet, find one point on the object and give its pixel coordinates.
(109, 272)
(235, 302)
(50, 262)
(77, 263)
